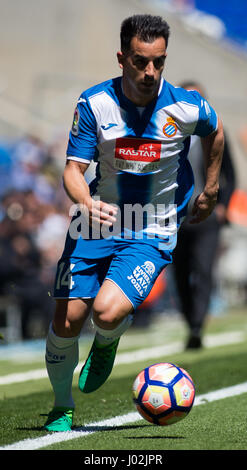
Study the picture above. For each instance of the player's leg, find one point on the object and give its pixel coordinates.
(128, 282)
(62, 358)
(112, 316)
(76, 284)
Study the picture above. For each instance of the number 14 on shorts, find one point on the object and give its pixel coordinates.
(64, 278)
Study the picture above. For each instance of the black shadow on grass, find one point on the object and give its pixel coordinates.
(87, 428)
(92, 429)
(123, 428)
(154, 437)
(107, 428)
(34, 428)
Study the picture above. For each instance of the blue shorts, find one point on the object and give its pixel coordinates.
(132, 266)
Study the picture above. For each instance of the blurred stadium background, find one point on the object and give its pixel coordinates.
(52, 50)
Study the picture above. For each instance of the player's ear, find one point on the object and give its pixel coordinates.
(120, 57)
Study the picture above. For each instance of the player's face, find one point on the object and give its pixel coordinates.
(142, 68)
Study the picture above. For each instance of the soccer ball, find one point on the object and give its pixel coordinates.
(163, 393)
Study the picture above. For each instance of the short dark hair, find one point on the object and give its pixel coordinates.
(146, 27)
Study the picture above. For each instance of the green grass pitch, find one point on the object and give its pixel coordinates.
(215, 425)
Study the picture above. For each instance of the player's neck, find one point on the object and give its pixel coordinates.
(136, 98)
(139, 99)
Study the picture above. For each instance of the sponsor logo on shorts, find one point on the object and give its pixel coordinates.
(149, 267)
(142, 276)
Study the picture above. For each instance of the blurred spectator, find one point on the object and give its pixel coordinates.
(197, 244)
(29, 157)
(34, 216)
(20, 260)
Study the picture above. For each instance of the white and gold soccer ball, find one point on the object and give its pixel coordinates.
(163, 393)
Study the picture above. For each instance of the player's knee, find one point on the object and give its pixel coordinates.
(69, 318)
(106, 315)
(66, 329)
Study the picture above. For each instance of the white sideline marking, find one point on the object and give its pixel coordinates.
(23, 376)
(91, 428)
(134, 356)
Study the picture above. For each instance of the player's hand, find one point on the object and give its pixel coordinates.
(203, 207)
(221, 213)
(101, 213)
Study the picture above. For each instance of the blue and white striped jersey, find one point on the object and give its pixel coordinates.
(141, 154)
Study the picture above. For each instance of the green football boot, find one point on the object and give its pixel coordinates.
(59, 420)
(98, 366)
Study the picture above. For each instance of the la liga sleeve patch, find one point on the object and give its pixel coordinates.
(75, 123)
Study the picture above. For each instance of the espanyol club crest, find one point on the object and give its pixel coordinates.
(170, 128)
(75, 124)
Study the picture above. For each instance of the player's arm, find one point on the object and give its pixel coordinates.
(213, 146)
(77, 189)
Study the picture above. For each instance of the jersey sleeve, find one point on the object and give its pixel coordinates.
(207, 118)
(83, 134)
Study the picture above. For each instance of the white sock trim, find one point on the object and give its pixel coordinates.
(60, 341)
(116, 332)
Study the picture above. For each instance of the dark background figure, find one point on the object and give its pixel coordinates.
(197, 244)
(21, 263)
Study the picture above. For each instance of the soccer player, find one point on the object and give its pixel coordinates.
(137, 128)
